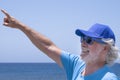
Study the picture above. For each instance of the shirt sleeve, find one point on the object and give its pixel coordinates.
(69, 61)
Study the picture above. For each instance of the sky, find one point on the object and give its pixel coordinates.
(57, 20)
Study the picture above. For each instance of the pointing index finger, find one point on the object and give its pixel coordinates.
(5, 13)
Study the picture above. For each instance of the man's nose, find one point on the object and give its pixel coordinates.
(84, 44)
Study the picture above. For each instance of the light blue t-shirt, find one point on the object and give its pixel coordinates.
(74, 66)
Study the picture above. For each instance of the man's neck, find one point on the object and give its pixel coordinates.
(91, 68)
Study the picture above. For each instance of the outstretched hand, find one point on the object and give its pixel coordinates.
(9, 20)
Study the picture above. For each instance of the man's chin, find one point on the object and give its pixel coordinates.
(83, 55)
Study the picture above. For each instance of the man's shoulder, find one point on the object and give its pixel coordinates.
(110, 76)
(72, 59)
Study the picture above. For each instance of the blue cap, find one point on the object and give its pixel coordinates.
(97, 31)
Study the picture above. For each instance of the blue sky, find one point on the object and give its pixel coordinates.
(56, 19)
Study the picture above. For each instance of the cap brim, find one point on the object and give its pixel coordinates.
(80, 33)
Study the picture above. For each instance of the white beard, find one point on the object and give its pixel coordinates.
(87, 56)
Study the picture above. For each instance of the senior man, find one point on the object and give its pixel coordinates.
(97, 45)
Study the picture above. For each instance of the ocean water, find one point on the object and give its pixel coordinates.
(37, 71)
(31, 71)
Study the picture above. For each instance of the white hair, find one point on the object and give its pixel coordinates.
(113, 53)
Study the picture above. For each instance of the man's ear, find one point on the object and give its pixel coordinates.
(106, 48)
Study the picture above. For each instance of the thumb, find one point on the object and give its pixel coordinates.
(5, 24)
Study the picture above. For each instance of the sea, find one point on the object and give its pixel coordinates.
(37, 71)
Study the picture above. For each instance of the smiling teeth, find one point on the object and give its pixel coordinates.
(85, 50)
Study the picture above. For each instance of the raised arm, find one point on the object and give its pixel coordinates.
(39, 40)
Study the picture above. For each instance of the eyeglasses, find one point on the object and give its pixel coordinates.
(90, 40)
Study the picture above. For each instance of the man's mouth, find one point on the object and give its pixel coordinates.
(87, 51)
(84, 50)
